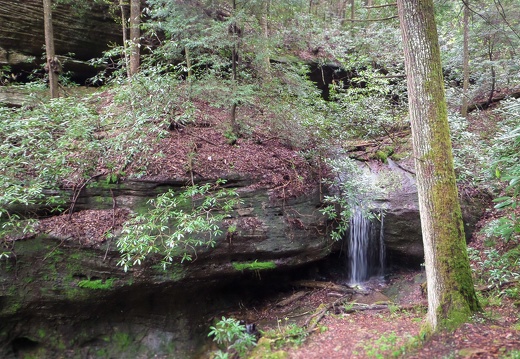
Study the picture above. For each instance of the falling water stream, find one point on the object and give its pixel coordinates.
(366, 249)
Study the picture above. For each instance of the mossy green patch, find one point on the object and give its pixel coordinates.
(174, 271)
(382, 156)
(254, 266)
(121, 340)
(264, 350)
(97, 284)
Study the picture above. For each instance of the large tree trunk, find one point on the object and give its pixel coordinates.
(451, 296)
(53, 65)
(135, 34)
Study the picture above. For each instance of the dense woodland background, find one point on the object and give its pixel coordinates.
(315, 77)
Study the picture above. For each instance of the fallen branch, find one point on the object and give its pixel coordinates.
(202, 139)
(77, 193)
(294, 297)
(326, 285)
(358, 307)
(483, 105)
(319, 315)
(487, 288)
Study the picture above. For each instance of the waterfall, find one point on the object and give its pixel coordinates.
(366, 249)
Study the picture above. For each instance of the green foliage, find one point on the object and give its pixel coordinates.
(364, 108)
(471, 154)
(254, 266)
(5, 75)
(37, 145)
(513, 354)
(494, 268)
(354, 191)
(379, 347)
(507, 168)
(286, 334)
(97, 284)
(232, 336)
(390, 345)
(492, 33)
(176, 224)
(42, 148)
(64, 143)
(122, 340)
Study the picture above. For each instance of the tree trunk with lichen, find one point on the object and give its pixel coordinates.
(135, 34)
(465, 61)
(451, 296)
(52, 65)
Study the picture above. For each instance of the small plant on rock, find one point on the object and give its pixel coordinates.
(233, 337)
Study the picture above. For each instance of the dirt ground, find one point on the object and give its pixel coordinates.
(391, 329)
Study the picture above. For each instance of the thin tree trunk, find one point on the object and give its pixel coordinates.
(352, 10)
(125, 48)
(493, 74)
(135, 34)
(188, 61)
(264, 20)
(53, 65)
(451, 296)
(234, 54)
(465, 61)
(341, 11)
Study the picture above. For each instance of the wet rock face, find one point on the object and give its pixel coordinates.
(402, 223)
(57, 296)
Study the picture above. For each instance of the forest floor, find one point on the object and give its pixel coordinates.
(384, 319)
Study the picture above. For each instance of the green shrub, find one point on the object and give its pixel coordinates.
(177, 224)
(507, 169)
(232, 336)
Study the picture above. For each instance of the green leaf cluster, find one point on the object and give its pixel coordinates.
(43, 148)
(507, 169)
(177, 224)
(232, 335)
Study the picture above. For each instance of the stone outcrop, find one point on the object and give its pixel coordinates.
(57, 295)
(402, 224)
(79, 35)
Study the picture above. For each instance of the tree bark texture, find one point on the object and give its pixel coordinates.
(465, 61)
(125, 36)
(53, 66)
(235, 55)
(135, 34)
(451, 296)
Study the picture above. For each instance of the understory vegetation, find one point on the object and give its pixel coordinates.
(66, 144)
